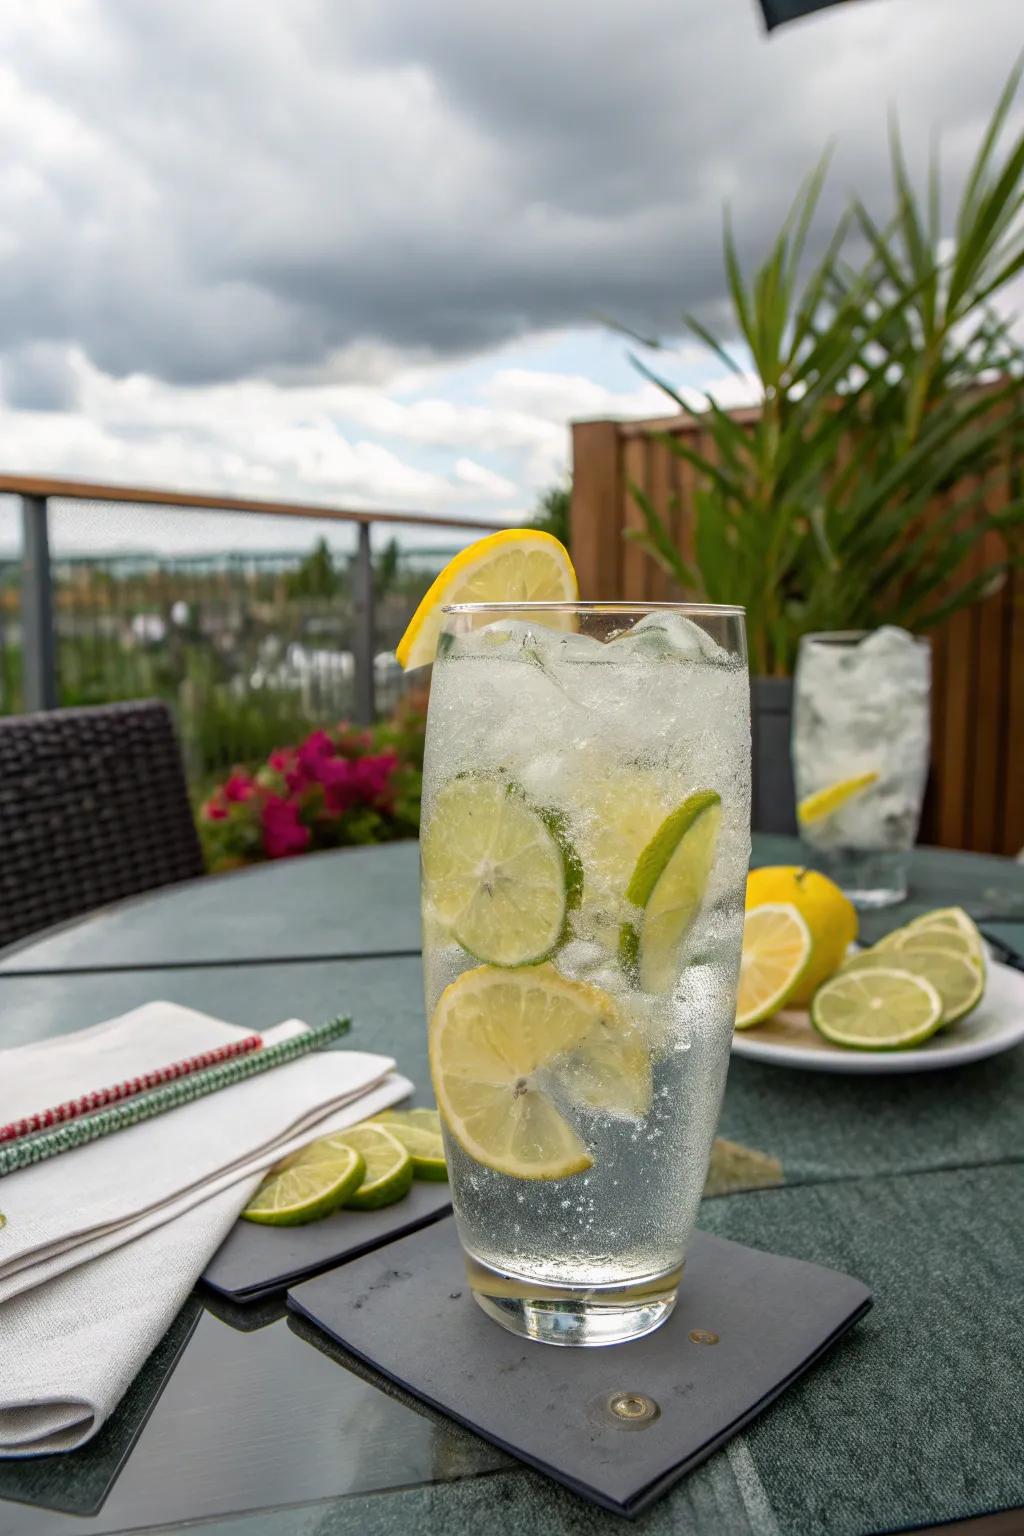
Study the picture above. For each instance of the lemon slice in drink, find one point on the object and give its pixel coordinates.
(516, 565)
(958, 979)
(305, 1190)
(497, 872)
(776, 950)
(668, 883)
(826, 801)
(506, 1047)
(877, 1009)
(420, 1138)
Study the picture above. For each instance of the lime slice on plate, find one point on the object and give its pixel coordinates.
(824, 802)
(877, 1009)
(312, 1184)
(497, 872)
(958, 979)
(949, 940)
(776, 950)
(421, 1139)
(668, 884)
(509, 1048)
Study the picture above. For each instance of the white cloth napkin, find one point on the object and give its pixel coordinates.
(101, 1246)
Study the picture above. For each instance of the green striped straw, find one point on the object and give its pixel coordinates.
(78, 1133)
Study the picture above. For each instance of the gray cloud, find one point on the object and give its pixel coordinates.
(209, 191)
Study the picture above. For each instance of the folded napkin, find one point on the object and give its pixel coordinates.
(100, 1246)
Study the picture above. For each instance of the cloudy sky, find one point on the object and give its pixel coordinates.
(357, 251)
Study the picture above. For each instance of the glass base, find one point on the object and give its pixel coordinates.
(566, 1315)
(870, 878)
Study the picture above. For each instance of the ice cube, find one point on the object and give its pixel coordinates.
(667, 636)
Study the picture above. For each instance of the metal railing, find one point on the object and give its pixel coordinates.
(250, 648)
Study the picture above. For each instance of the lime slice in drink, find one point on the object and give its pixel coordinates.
(621, 810)
(777, 948)
(302, 1191)
(422, 1141)
(508, 1047)
(824, 802)
(668, 884)
(497, 872)
(877, 1009)
(957, 978)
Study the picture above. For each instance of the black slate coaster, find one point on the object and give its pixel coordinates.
(255, 1261)
(408, 1311)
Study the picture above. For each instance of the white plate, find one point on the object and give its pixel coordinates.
(997, 1024)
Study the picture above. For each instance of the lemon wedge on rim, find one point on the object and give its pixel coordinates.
(516, 565)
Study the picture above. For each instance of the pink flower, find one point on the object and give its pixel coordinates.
(239, 787)
(283, 832)
(214, 810)
(282, 759)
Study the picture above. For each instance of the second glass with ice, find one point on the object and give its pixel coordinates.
(585, 842)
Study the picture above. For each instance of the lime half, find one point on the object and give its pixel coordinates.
(877, 1009)
(314, 1182)
(499, 873)
(419, 1131)
(668, 883)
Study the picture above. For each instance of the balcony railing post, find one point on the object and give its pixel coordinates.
(363, 629)
(38, 646)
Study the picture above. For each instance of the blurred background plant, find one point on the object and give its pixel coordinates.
(887, 376)
(333, 789)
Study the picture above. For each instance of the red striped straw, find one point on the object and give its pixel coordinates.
(74, 1108)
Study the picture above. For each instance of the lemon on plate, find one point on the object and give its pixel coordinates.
(507, 1047)
(668, 885)
(516, 565)
(825, 802)
(499, 873)
(877, 1009)
(777, 949)
(830, 916)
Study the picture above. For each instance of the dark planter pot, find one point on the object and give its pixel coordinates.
(771, 713)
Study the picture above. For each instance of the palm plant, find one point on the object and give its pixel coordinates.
(883, 386)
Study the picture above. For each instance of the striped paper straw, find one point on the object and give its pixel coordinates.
(77, 1133)
(100, 1097)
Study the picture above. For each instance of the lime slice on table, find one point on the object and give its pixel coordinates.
(499, 873)
(879, 1009)
(421, 1140)
(958, 979)
(514, 565)
(307, 1188)
(777, 949)
(668, 884)
(824, 802)
(389, 1168)
(508, 1048)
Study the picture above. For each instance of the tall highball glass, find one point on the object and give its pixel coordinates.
(585, 840)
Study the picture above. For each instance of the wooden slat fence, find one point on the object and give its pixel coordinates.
(976, 790)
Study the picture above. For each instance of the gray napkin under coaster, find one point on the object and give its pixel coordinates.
(254, 1261)
(746, 1325)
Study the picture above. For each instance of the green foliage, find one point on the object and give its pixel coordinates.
(552, 514)
(884, 386)
(317, 576)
